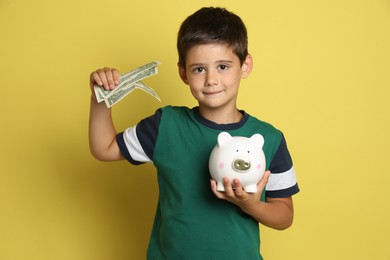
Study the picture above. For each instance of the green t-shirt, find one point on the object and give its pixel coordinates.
(190, 221)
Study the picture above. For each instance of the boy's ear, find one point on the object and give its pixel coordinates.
(247, 66)
(182, 74)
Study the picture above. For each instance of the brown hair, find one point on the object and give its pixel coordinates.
(212, 25)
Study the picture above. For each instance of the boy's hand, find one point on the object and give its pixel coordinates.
(235, 193)
(109, 78)
(277, 213)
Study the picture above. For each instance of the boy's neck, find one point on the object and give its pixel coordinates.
(221, 116)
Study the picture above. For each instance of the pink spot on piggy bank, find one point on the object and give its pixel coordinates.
(238, 157)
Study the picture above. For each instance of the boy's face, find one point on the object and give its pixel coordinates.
(213, 73)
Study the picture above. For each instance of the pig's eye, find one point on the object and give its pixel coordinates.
(236, 151)
(249, 151)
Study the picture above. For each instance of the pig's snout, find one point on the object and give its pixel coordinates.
(241, 165)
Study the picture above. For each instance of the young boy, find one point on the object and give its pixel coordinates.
(193, 220)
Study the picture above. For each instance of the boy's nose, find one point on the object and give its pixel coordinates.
(211, 79)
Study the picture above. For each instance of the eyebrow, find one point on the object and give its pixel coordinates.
(202, 64)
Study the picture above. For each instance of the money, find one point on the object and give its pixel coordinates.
(128, 82)
(119, 95)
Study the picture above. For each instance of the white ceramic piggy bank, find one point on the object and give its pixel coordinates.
(238, 158)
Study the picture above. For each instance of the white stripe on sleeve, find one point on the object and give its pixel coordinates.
(281, 181)
(133, 145)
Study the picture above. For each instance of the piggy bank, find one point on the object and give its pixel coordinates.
(238, 157)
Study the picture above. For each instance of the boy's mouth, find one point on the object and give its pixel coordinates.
(214, 92)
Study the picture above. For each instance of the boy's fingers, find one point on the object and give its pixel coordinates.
(238, 191)
(101, 76)
(109, 78)
(229, 192)
(117, 76)
(213, 185)
(94, 78)
(109, 74)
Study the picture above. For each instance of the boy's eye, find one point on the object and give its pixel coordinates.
(223, 67)
(199, 70)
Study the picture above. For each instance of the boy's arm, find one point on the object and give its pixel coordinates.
(102, 133)
(277, 213)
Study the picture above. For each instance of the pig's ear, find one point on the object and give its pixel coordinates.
(258, 139)
(223, 137)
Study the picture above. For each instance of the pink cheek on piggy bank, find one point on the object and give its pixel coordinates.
(259, 166)
(221, 165)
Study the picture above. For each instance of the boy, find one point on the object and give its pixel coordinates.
(193, 220)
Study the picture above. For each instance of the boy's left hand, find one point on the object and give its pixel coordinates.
(235, 193)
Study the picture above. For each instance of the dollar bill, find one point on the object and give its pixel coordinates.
(119, 95)
(128, 82)
(130, 75)
(142, 86)
(138, 77)
(133, 76)
(98, 94)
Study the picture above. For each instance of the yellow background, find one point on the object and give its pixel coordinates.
(321, 74)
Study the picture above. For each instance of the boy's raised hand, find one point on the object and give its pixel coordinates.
(107, 77)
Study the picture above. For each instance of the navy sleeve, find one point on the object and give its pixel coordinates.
(282, 182)
(147, 131)
(143, 140)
